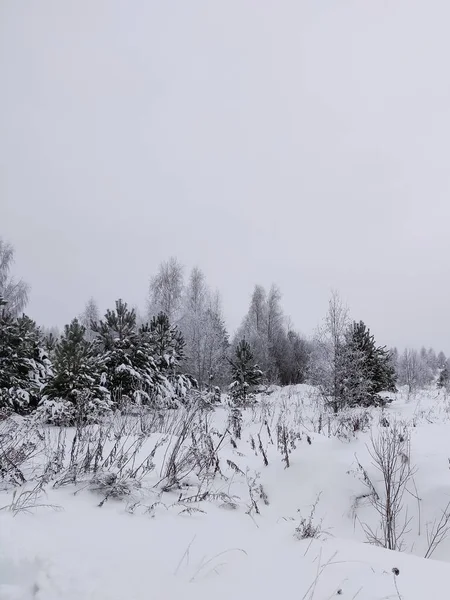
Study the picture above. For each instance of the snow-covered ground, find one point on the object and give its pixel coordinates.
(220, 534)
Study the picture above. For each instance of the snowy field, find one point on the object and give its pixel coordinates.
(175, 505)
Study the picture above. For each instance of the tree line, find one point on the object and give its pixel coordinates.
(182, 348)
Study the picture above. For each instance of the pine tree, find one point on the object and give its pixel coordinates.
(76, 367)
(245, 374)
(441, 360)
(166, 344)
(74, 392)
(444, 376)
(130, 369)
(24, 365)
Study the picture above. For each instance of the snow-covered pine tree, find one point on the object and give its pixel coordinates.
(49, 341)
(441, 360)
(167, 349)
(24, 365)
(354, 375)
(130, 369)
(167, 344)
(444, 376)
(73, 392)
(245, 374)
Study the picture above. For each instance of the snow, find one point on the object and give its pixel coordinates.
(149, 546)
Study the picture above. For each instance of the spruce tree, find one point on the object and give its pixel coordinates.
(245, 374)
(366, 369)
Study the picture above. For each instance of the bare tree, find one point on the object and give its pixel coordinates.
(13, 292)
(275, 315)
(166, 290)
(391, 456)
(328, 351)
(257, 314)
(90, 315)
(216, 342)
(413, 370)
(193, 324)
(254, 328)
(204, 331)
(279, 352)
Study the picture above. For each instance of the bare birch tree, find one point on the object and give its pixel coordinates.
(13, 292)
(328, 351)
(166, 290)
(204, 332)
(90, 315)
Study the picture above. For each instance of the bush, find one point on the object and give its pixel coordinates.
(63, 413)
(351, 422)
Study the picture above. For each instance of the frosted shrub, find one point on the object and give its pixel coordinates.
(64, 413)
(309, 528)
(351, 422)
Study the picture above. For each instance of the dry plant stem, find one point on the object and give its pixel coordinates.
(320, 569)
(185, 555)
(438, 532)
(205, 564)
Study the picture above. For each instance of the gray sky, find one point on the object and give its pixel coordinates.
(301, 142)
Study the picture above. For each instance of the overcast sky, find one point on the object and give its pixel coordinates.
(302, 142)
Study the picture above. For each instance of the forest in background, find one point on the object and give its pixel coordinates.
(181, 350)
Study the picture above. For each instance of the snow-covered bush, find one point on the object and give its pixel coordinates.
(349, 422)
(309, 527)
(206, 399)
(66, 413)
